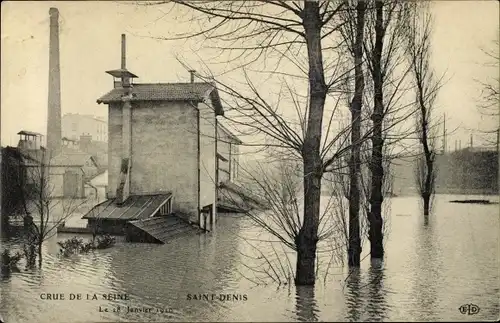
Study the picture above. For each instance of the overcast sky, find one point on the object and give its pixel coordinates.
(90, 44)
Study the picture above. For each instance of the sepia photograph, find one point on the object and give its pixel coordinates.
(250, 161)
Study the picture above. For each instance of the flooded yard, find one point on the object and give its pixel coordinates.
(430, 270)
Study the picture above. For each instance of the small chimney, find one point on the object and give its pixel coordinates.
(124, 52)
(122, 77)
(85, 141)
(192, 72)
(125, 78)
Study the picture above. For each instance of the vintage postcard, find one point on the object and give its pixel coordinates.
(249, 161)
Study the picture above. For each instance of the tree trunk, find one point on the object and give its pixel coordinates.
(426, 199)
(5, 223)
(376, 163)
(313, 167)
(354, 249)
(308, 235)
(40, 254)
(429, 183)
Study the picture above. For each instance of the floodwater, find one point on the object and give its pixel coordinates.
(431, 269)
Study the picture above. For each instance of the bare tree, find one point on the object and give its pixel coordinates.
(340, 188)
(386, 25)
(490, 97)
(353, 34)
(96, 230)
(43, 212)
(301, 34)
(278, 187)
(12, 173)
(426, 90)
(490, 92)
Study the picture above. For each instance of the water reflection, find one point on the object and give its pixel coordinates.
(353, 295)
(427, 277)
(306, 309)
(174, 275)
(9, 263)
(432, 268)
(376, 305)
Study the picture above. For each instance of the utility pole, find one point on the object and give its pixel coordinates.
(444, 133)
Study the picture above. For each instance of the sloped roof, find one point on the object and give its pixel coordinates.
(229, 134)
(222, 157)
(167, 92)
(28, 133)
(164, 228)
(71, 150)
(244, 193)
(96, 149)
(74, 159)
(18, 154)
(84, 116)
(135, 207)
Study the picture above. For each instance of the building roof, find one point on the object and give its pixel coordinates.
(87, 116)
(167, 92)
(135, 207)
(222, 157)
(96, 149)
(229, 134)
(121, 73)
(20, 155)
(164, 228)
(71, 160)
(34, 155)
(28, 133)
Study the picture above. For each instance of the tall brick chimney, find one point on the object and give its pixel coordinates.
(54, 139)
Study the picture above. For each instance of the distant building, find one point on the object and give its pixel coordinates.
(75, 125)
(85, 144)
(67, 173)
(30, 144)
(70, 171)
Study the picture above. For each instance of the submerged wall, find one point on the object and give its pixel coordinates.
(208, 177)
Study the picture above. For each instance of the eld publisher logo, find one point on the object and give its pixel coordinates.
(469, 309)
